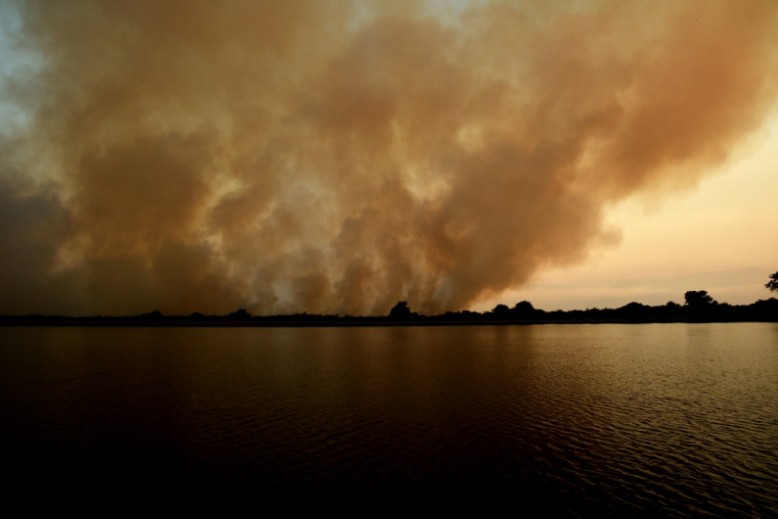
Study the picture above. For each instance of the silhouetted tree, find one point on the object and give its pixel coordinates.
(239, 314)
(632, 309)
(523, 306)
(400, 311)
(524, 310)
(772, 285)
(501, 311)
(698, 299)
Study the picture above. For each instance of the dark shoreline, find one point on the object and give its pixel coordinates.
(633, 313)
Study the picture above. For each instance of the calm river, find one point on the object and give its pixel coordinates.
(578, 420)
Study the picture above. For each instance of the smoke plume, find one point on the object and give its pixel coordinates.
(340, 156)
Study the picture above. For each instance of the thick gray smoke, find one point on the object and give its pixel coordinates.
(340, 156)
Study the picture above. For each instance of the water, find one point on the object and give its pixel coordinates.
(578, 420)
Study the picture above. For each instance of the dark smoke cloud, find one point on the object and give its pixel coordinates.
(340, 156)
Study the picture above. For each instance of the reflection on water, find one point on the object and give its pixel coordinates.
(537, 420)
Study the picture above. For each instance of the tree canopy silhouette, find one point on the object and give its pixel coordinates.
(698, 299)
(400, 311)
(501, 311)
(772, 285)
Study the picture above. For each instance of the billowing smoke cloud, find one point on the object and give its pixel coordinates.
(340, 156)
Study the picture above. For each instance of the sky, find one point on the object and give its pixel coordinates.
(338, 157)
(719, 235)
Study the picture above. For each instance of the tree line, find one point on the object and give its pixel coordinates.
(699, 306)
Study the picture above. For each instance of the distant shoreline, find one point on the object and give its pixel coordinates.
(634, 313)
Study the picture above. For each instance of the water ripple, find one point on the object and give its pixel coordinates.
(577, 421)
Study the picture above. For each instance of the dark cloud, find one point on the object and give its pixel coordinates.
(34, 225)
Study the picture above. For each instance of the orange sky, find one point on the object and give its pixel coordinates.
(719, 236)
